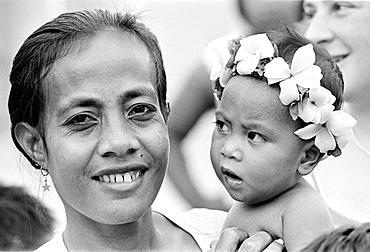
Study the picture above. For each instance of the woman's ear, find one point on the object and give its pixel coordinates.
(312, 157)
(31, 142)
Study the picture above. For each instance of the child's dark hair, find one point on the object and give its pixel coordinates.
(53, 41)
(288, 41)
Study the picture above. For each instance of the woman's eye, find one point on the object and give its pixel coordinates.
(221, 126)
(80, 122)
(342, 6)
(141, 111)
(307, 15)
(80, 119)
(255, 137)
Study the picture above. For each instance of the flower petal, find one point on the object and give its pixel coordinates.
(277, 70)
(258, 42)
(321, 95)
(309, 77)
(288, 91)
(246, 53)
(307, 110)
(216, 71)
(342, 140)
(340, 122)
(309, 131)
(293, 110)
(218, 49)
(218, 55)
(304, 57)
(325, 141)
(247, 66)
(325, 111)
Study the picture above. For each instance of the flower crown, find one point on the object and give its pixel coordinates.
(299, 83)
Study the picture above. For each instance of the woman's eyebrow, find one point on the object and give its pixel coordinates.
(93, 102)
(80, 102)
(135, 93)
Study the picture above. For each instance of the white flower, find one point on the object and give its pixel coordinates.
(337, 130)
(317, 106)
(252, 50)
(219, 55)
(303, 74)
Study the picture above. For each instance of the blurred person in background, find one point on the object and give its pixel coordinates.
(342, 28)
(197, 98)
(25, 224)
(344, 239)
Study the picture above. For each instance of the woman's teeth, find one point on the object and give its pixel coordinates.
(126, 177)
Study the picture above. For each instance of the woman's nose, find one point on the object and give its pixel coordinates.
(231, 149)
(319, 29)
(118, 139)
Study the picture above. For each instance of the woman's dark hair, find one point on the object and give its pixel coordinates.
(53, 41)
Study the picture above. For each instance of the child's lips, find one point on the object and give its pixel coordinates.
(231, 179)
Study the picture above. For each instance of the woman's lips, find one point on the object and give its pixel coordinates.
(126, 177)
(339, 58)
(126, 174)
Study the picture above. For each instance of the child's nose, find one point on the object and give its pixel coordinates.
(231, 148)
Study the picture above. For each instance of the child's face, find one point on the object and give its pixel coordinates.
(107, 142)
(254, 151)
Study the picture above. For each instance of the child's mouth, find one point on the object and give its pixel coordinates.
(230, 177)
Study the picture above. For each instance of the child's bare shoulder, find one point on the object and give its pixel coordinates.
(304, 196)
(306, 214)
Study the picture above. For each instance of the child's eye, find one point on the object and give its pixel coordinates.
(142, 111)
(255, 137)
(221, 126)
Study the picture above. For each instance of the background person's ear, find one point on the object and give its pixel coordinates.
(311, 158)
(31, 143)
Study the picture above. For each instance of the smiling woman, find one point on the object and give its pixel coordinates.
(88, 106)
(342, 27)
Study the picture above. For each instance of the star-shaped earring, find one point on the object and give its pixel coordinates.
(46, 186)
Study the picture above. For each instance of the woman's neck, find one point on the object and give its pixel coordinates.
(87, 235)
(362, 128)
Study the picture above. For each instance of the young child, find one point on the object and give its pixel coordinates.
(278, 116)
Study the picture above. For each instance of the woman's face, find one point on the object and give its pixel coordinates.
(107, 141)
(342, 28)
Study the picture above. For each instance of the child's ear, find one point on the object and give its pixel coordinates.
(311, 158)
(31, 143)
